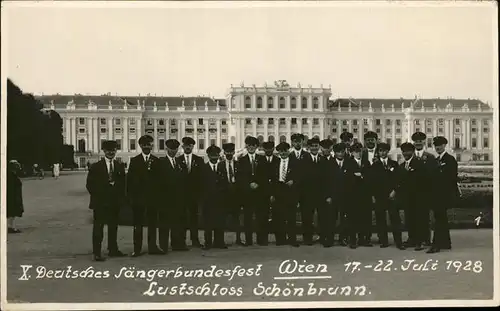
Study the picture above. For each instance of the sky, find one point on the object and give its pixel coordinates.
(364, 51)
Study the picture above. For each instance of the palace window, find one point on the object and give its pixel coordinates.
(417, 122)
(378, 130)
(189, 122)
(248, 103)
(223, 130)
(103, 130)
(81, 121)
(344, 122)
(259, 102)
(457, 130)
(486, 142)
(485, 122)
(334, 130)
(259, 121)
(474, 142)
(103, 121)
(429, 130)
(355, 130)
(398, 122)
(282, 103)
(389, 142)
(441, 122)
(315, 103)
(293, 103)
(398, 131)
(474, 130)
(132, 144)
(417, 129)
(429, 142)
(119, 144)
(282, 138)
(212, 141)
(457, 121)
(473, 121)
(270, 121)
(233, 102)
(344, 129)
(271, 138)
(132, 130)
(161, 144)
(132, 121)
(294, 120)
(398, 142)
(354, 122)
(316, 121)
(270, 103)
(200, 121)
(201, 144)
(223, 121)
(81, 130)
(365, 130)
(118, 121)
(457, 143)
(388, 122)
(365, 121)
(282, 121)
(377, 122)
(161, 122)
(172, 122)
(304, 103)
(485, 130)
(304, 121)
(388, 130)
(440, 130)
(248, 121)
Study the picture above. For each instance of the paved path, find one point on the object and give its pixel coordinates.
(57, 235)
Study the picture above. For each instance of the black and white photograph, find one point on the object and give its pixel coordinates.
(245, 155)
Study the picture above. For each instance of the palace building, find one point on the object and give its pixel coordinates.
(268, 113)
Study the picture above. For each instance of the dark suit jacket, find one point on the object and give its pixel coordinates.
(192, 178)
(312, 176)
(172, 181)
(213, 183)
(293, 174)
(362, 183)
(430, 170)
(339, 180)
(384, 180)
(244, 174)
(411, 183)
(15, 206)
(446, 178)
(102, 194)
(143, 180)
(302, 166)
(270, 174)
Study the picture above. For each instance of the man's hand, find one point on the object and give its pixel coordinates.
(289, 183)
(357, 174)
(373, 200)
(329, 200)
(254, 186)
(272, 199)
(392, 195)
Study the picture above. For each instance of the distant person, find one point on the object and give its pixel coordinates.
(56, 170)
(15, 206)
(88, 165)
(106, 185)
(38, 170)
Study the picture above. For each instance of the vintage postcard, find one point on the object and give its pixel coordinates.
(242, 155)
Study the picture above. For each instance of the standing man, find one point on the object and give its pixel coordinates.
(313, 195)
(430, 164)
(143, 193)
(411, 177)
(232, 201)
(251, 178)
(347, 139)
(173, 214)
(56, 170)
(384, 182)
(214, 183)
(269, 182)
(446, 182)
(191, 166)
(360, 211)
(284, 196)
(369, 157)
(327, 212)
(106, 186)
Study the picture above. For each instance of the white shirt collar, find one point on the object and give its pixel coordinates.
(297, 152)
(357, 160)
(284, 160)
(409, 160)
(371, 150)
(440, 156)
(339, 162)
(109, 160)
(146, 156)
(384, 160)
(419, 153)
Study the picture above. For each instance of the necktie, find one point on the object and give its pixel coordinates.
(407, 165)
(269, 159)
(385, 163)
(213, 168)
(283, 171)
(315, 160)
(231, 173)
(253, 164)
(188, 163)
(111, 171)
(173, 162)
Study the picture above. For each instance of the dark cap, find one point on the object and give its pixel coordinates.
(339, 147)
(252, 141)
(213, 150)
(313, 141)
(326, 143)
(345, 136)
(418, 136)
(407, 147)
(356, 147)
(439, 141)
(384, 146)
(228, 147)
(268, 145)
(297, 136)
(188, 141)
(370, 134)
(145, 139)
(283, 146)
(109, 145)
(172, 143)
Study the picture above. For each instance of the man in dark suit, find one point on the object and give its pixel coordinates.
(106, 186)
(360, 211)
(369, 157)
(232, 202)
(143, 191)
(431, 166)
(267, 188)
(284, 196)
(338, 184)
(313, 195)
(172, 215)
(327, 212)
(384, 183)
(214, 183)
(446, 185)
(191, 166)
(251, 177)
(410, 186)
(347, 139)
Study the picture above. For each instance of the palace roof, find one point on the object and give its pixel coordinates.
(428, 103)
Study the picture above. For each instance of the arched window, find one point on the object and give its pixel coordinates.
(259, 102)
(304, 103)
(233, 102)
(282, 138)
(81, 145)
(248, 102)
(282, 103)
(294, 103)
(315, 103)
(271, 138)
(270, 102)
(316, 136)
(261, 139)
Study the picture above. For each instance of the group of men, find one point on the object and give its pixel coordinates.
(341, 182)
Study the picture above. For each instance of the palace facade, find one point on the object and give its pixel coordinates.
(268, 113)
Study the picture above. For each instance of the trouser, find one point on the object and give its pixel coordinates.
(427, 224)
(176, 225)
(193, 214)
(311, 203)
(102, 216)
(166, 228)
(254, 204)
(152, 219)
(284, 215)
(416, 217)
(327, 218)
(213, 221)
(343, 229)
(363, 221)
(382, 207)
(441, 237)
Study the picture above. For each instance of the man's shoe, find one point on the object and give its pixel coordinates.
(116, 253)
(433, 250)
(384, 245)
(419, 247)
(137, 254)
(99, 258)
